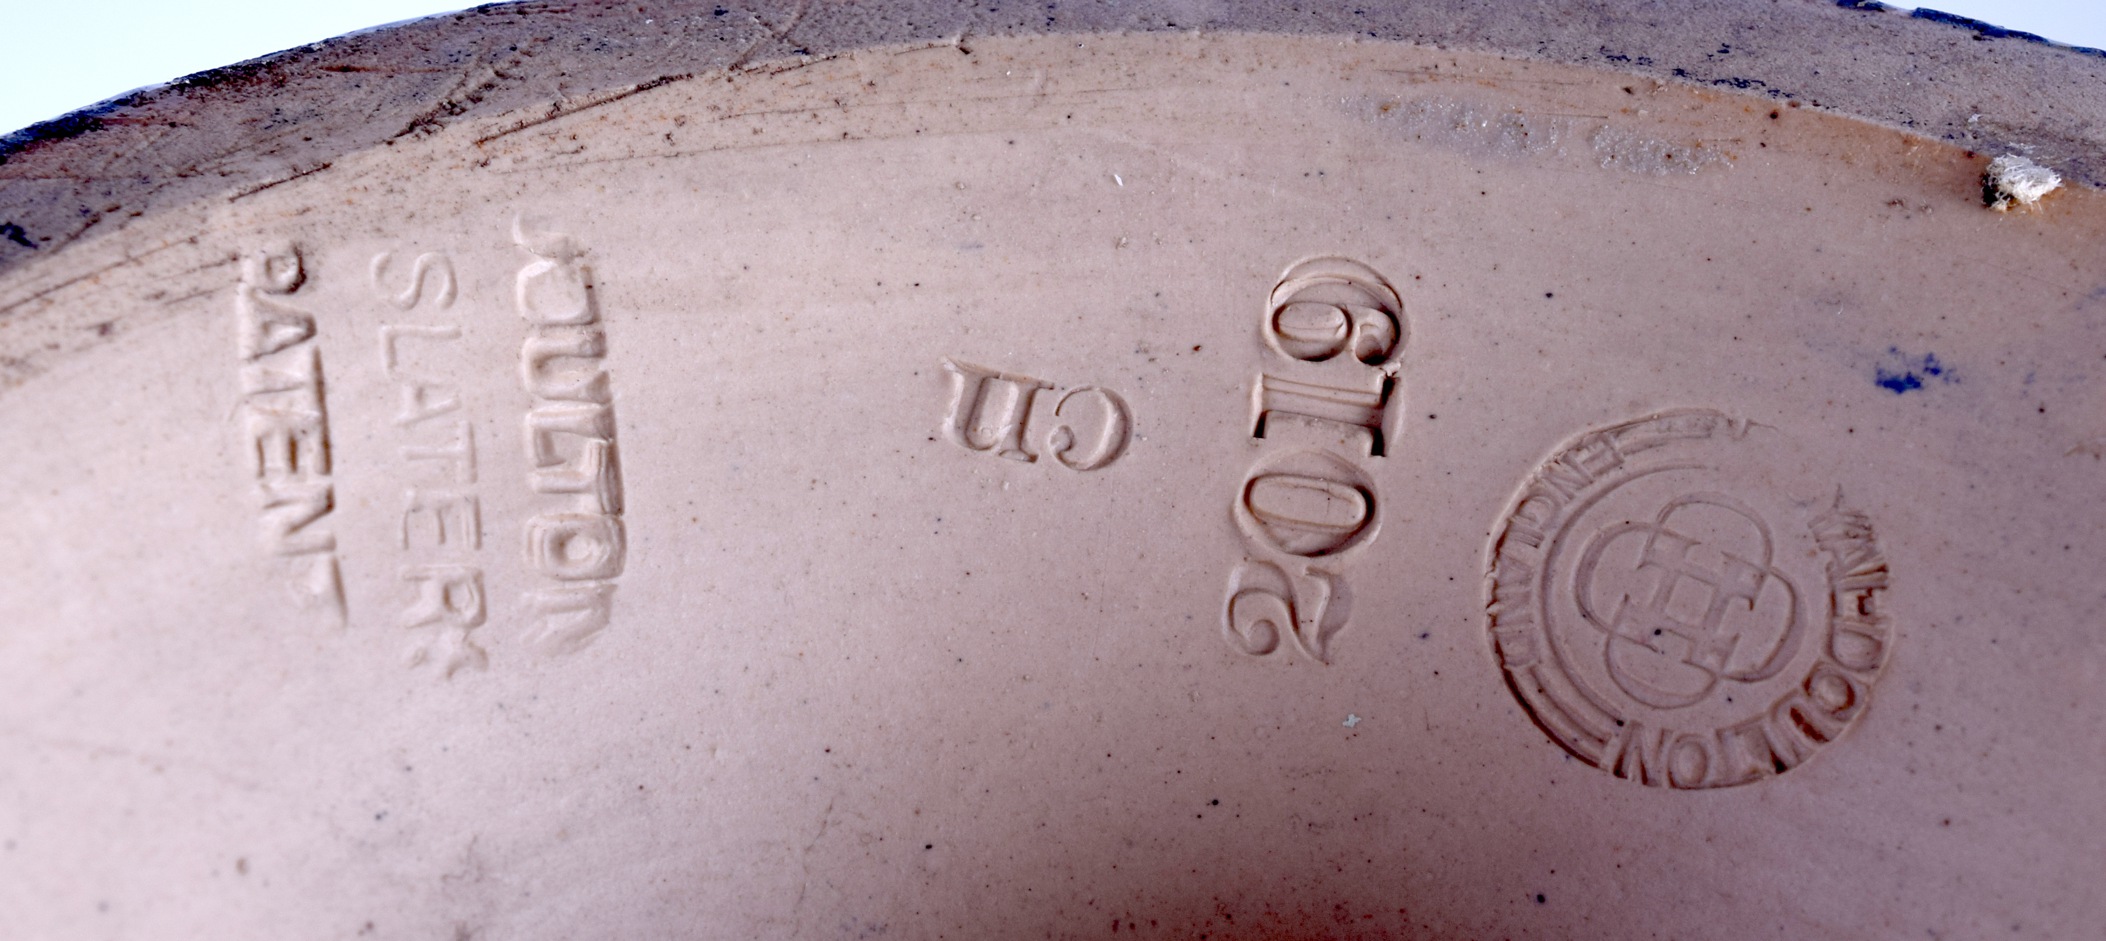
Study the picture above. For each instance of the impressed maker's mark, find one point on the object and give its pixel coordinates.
(286, 429)
(1669, 610)
(1333, 329)
(992, 412)
(441, 532)
(576, 542)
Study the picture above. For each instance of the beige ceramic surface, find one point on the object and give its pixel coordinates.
(1181, 485)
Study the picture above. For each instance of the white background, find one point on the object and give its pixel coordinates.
(66, 54)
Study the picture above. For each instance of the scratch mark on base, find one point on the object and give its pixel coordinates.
(244, 194)
(557, 111)
(826, 819)
(76, 279)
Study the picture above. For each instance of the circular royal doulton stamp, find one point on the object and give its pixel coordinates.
(1675, 601)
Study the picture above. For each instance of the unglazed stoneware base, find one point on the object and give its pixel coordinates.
(1181, 485)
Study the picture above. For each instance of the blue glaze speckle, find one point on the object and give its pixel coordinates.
(1902, 373)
